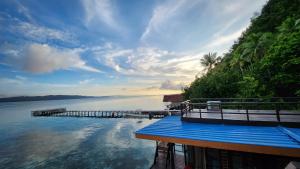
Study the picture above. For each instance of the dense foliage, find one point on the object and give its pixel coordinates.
(264, 62)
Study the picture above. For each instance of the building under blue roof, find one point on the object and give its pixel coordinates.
(276, 140)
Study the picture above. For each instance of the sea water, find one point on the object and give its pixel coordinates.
(70, 142)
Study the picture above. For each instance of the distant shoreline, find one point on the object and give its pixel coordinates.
(58, 97)
(47, 97)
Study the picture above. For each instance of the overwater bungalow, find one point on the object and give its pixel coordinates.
(173, 101)
(228, 133)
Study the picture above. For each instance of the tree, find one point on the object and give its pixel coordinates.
(263, 62)
(210, 60)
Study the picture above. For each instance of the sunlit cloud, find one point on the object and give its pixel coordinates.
(17, 87)
(42, 58)
(171, 85)
(149, 62)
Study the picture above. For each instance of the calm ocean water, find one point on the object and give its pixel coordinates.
(66, 142)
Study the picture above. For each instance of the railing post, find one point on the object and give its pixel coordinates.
(247, 113)
(222, 116)
(277, 113)
(200, 113)
(181, 109)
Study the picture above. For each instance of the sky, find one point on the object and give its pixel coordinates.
(113, 47)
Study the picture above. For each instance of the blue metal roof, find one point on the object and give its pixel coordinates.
(173, 127)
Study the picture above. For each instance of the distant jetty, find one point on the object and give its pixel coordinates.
(62, 112)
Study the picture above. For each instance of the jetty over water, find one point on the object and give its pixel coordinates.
(63, 112)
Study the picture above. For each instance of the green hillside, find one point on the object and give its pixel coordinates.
(264, 61)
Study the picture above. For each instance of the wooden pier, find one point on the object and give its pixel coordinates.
(62, 112)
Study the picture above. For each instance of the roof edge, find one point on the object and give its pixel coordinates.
(291, 152)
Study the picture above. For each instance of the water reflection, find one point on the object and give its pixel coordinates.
(55, 142)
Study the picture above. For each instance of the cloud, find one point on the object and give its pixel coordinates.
(42, 58)
(193, 24)
(100, 11)
(86, 81)
(161, 14)
(40, 33)
(15, 87)
(10, 81)
(22, 78)
(171, 85)
(220, 40)
(23, 10)
(149, 62)
(33, 32)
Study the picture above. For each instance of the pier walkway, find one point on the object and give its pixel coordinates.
(62, 112)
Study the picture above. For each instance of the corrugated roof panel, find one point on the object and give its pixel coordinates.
(173, 127)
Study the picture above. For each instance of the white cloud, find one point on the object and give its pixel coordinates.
(171, 85)
(100, 10)
(23, 10)
(86, 81)
(33, 32)
(22, 78)
(10, 81)
(184, 25)
(225, 27)
(162, 13)
(38, 58)
(224, 39)
(40, 33)
(150, 62)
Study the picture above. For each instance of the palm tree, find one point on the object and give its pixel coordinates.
(210, 60)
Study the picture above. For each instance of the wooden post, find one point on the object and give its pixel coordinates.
(172, 155)
(277, 113)
(247, 113)
(200, 113)
(181, 110)
(222, 116)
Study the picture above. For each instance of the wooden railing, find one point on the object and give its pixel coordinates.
(266, 99)
(245, 110)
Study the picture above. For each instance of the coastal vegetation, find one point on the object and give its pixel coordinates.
(263, 62)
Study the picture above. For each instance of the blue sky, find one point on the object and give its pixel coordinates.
(113, 47)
